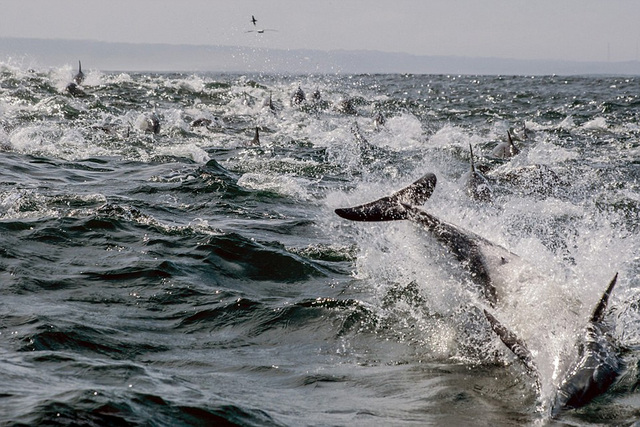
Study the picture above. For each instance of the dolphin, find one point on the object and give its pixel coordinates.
(482, 259)
(478, 187)
(268, 102)
(505, 150)
(149, 122)
(346, 106)
(598, 364)
(255, 142)
(201, 122)
(75, 90)
(592, 373)
(379, 121)
(369, 153)
(79, 77)
(523, 134)
(261, 31)
(298, 97)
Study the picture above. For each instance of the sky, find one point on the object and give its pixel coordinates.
(575, 30)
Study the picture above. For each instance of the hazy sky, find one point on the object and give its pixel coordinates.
(583, 30)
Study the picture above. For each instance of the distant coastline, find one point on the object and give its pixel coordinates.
(41, 53)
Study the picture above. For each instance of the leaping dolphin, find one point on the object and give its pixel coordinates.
(598, 365)
(475, 253)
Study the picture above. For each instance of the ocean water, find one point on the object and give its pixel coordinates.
(185, 277)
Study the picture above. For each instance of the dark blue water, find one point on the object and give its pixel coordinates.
(186, 278)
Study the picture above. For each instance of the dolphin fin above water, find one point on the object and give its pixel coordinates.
(599, 311)
(505, 150)
(393, 207)
(256, 138)
(474, 253)
(598, 364)
(595, 369)
(79, 77)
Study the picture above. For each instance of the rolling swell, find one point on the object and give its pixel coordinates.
(138, 409)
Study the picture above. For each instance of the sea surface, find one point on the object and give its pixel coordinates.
(187, 277)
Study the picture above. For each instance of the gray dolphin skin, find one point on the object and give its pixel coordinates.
(598, 364)
(505, 150)
(470, 249)
(594, 371)
(150, 123)
(256, 139)
(79, 77)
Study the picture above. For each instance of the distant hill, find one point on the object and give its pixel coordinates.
(39, 53)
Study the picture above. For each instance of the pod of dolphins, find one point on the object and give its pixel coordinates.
(598, 364)
(149, 122)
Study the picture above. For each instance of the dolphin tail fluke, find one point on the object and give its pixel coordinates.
(598, 312)
(392, 207)
(515, 344)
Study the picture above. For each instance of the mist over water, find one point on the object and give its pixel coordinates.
(185, 277)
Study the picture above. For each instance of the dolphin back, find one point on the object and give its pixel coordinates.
(392, 207)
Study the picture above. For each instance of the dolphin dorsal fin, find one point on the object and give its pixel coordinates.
(473, 167)
(256, 138)
(598, 312)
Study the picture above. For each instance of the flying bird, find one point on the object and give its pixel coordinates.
(253, 20)
(260, 31)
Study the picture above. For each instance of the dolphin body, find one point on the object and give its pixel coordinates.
(298, 97)
(476, 254)
(598, 364)
(149, 123)
(505, 150)
(592, 373)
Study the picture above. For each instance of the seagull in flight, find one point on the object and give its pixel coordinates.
(260, 31)
(253, 20)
